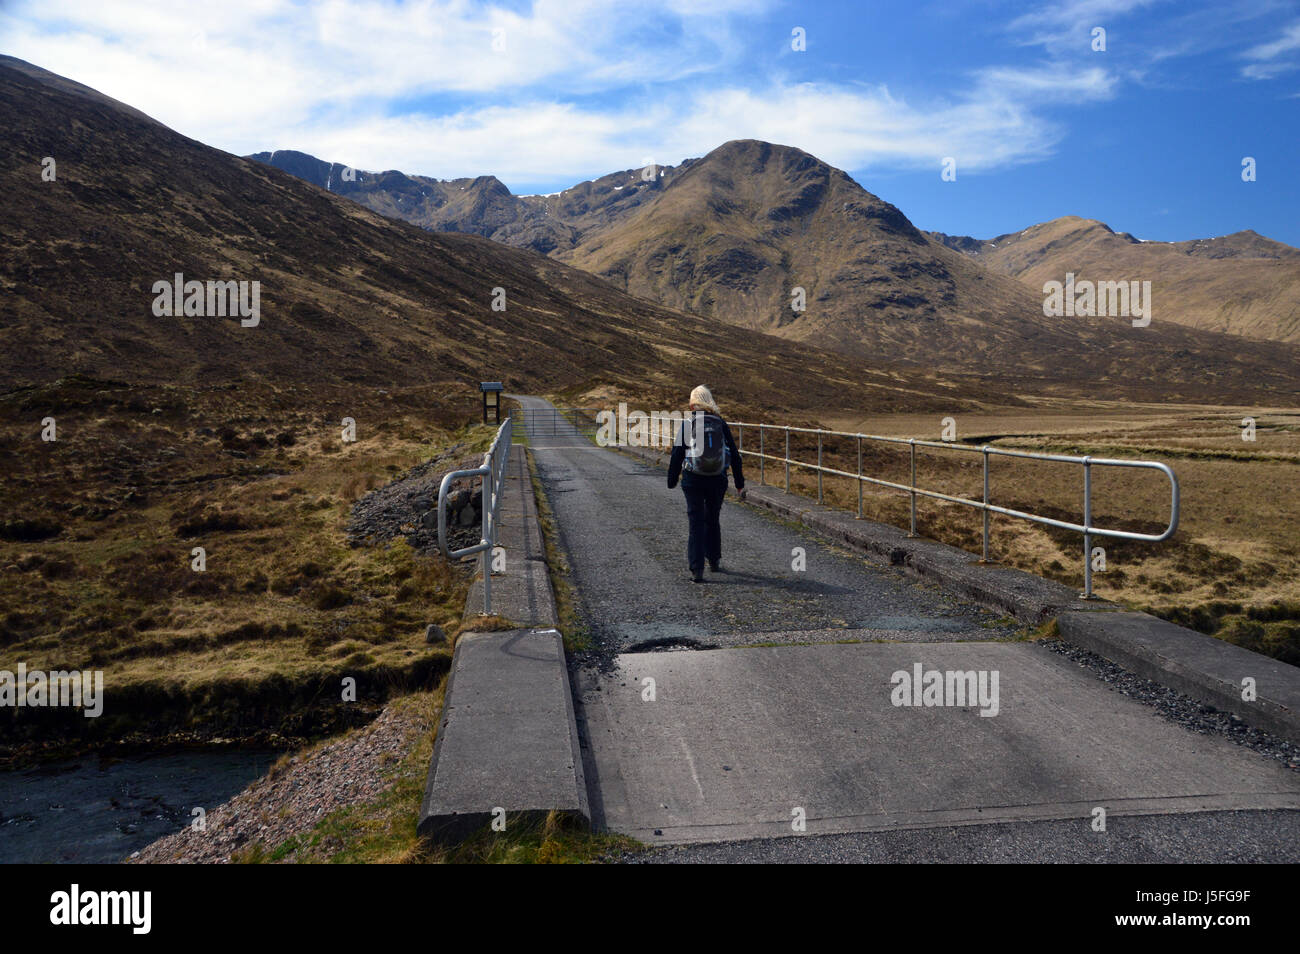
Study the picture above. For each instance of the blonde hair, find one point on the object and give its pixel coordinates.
(703, 397)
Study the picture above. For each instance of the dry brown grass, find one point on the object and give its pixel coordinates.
(1233, 567)
(97, 532)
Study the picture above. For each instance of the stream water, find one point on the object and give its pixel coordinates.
(95, 810)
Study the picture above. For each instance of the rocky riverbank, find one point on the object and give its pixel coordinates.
(279, 817)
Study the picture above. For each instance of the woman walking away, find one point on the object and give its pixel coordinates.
(702, 452)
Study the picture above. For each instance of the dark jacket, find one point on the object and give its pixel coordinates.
(679, 458)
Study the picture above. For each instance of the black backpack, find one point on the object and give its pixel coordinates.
(706, 445)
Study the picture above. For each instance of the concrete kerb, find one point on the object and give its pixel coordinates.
(522, 594)
(508, 740)
(520, 535)
(507, 745)
(1202, 667)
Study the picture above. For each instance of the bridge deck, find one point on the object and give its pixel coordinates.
(738, 739)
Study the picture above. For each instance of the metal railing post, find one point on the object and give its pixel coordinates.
(985, 557)
(761, 458)
(487, 551)
(912, 443)
(859, 478)
(787, 460)
(819, 467)
(1087, 527)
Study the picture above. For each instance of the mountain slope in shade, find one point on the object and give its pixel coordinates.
(1242, 284)
(348, 297)
(55, 81)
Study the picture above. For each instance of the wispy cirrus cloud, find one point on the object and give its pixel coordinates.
(1068, 25)
(992, 125)
(1277, 56)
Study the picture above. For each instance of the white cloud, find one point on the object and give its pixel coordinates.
(853, 128)
(1270, 58)
(417, 86)
(1056, 83)
(226, 72)
(1068, 25)
(344, 49)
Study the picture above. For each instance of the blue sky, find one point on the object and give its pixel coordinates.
(1147, 135)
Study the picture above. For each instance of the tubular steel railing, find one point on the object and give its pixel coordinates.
(985, 505)
(493, 473)
(544, 421)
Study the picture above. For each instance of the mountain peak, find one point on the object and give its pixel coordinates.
(730, 234)
(756, 156)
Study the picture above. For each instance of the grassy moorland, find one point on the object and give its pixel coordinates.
(1231, 570)
(97, 557)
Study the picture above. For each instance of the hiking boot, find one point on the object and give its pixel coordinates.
(697, 576)
(715, 566)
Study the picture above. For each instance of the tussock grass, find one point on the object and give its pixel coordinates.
(128, 492)
(1237, 545)
(554, 840)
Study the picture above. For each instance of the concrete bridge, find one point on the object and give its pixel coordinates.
(779, 713)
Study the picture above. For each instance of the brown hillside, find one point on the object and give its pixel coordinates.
(349, 297)
(732, 234)
(1242, 284)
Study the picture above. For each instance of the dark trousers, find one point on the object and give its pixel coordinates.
(703, 505)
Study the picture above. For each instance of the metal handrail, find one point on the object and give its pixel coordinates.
(493, 473)
(985, 506)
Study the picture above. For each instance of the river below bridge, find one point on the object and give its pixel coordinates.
(98, 810)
